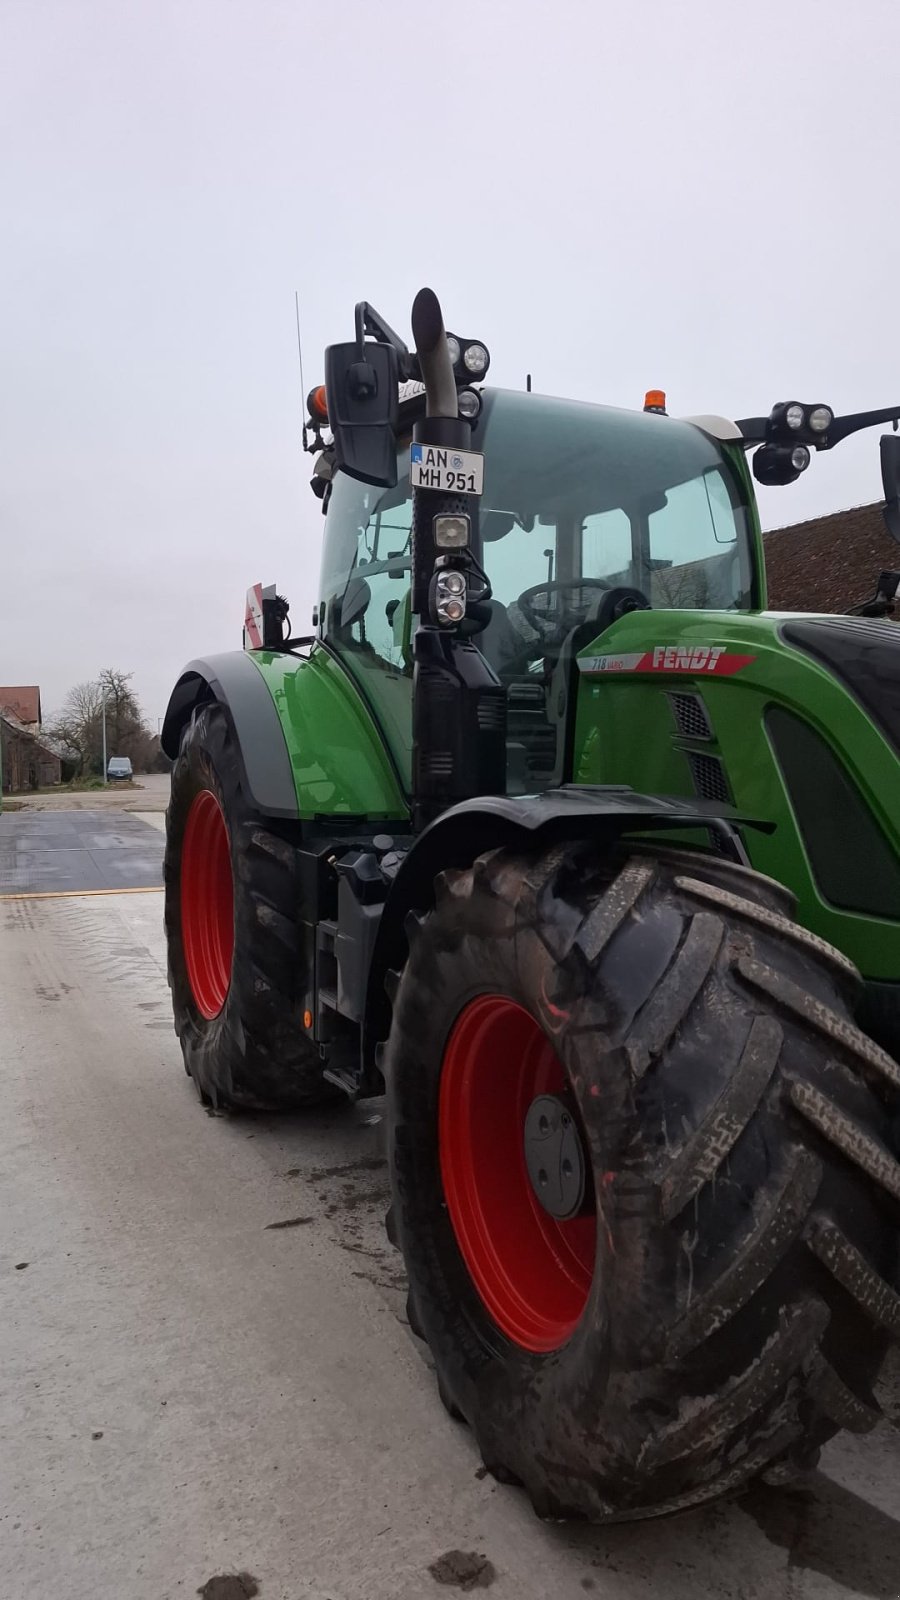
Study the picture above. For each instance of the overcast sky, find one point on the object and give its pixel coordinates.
(692, 194)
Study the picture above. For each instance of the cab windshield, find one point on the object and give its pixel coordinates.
(578, 499)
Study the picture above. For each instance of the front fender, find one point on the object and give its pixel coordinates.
(311, 745)
(490, 822)
(233, 680)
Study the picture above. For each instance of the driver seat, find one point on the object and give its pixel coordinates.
(499, 642)
(531, 740)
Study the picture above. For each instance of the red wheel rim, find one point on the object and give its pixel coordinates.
(532, 1272)
(207, 904)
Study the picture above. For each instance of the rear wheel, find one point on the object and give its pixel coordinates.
(237, 963)
(641, 1176)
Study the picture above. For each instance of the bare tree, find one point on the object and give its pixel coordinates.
(685, 586)
(80, 722)
(126, 732)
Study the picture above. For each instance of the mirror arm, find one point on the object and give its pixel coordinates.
(843, 426)
(368, 320)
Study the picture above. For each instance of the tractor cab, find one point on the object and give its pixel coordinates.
(587, 512)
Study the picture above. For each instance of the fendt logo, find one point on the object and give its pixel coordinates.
(698, 658)
(682, 658)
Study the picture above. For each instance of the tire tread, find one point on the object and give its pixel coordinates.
(747, 1371)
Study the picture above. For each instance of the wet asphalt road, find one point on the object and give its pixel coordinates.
(205, 1367)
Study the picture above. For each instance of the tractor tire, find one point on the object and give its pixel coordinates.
(237, 966)
(723, 1301)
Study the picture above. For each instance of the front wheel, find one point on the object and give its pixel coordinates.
(641, 1176)
(239, 970)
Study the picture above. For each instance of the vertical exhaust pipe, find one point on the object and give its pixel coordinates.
(430, 339)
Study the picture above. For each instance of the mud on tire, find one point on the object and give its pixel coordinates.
(745, 1280)
(254, 1053)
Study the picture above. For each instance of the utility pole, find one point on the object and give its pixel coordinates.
(105, 780)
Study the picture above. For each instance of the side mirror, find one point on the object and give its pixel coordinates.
(890, 478)
(361, 385)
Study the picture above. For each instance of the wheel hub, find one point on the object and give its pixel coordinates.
(207, 904)
(532, 1270)
(554, 1157)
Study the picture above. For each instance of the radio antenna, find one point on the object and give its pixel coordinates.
(302, 384)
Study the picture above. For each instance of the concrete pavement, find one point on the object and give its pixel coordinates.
(205, 1367)
(78, 850)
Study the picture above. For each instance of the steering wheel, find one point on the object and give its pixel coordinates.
(547, 616)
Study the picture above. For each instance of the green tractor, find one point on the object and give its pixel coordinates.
(555, 836)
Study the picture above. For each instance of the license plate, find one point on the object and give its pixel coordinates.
(435, 466)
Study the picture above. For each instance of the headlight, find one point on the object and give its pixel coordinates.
(821, 418)
(475, 359)
(780, 463)
(449, 594)
(451, 533)
(469, 404)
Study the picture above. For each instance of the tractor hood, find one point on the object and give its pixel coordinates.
(794, 718)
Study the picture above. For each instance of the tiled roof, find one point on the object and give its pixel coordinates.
(829, 563)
